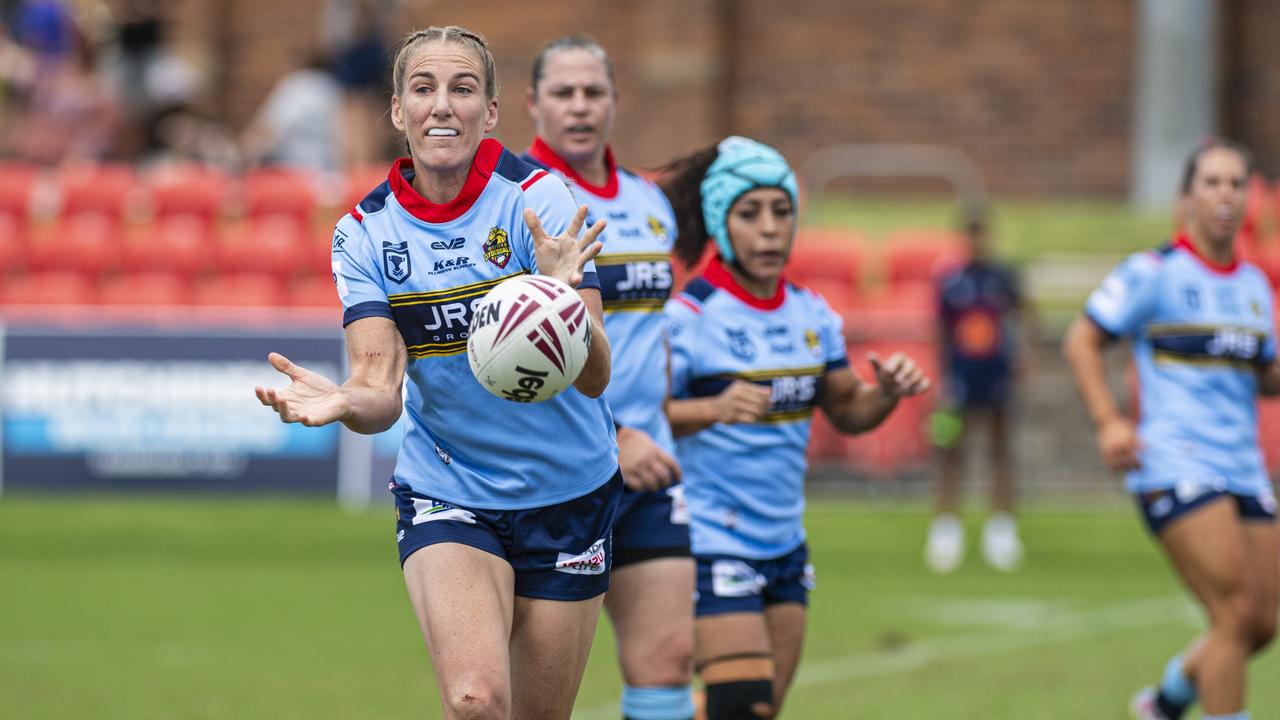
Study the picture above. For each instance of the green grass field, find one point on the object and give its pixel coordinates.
(151, 608)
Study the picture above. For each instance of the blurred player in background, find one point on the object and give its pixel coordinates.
(502, 524)
(1201, 325)
(751, 355)
(573, 101)
(980, 307)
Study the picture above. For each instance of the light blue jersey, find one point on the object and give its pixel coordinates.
(745, 483)
(635, 281)
(425, 266)
(1199, 333)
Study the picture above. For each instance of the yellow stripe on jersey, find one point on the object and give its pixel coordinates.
(788, 416)
(1172, 358)
(1177, 329)
(815, 370)
(437, 350)
(453, 293)
(635, 305)
(624, 258)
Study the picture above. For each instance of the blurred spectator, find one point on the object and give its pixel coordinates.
(297, 124)
(356, 32)
(71, 114)
(47, 29)
(182, 135)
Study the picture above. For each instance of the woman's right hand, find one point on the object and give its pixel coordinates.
(1119, 444)
(742, 402)
(562, 256)
(310, 399)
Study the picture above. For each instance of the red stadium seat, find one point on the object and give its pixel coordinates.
(53, 288)
(314, 292)
(188, 190)
(902, 440)
(272, 244)
(181, 244)
(360, 182)
(109, 190)
(921, 255)
(13, 243)
(17, 186)
(1269, 432)
(280, 192)
(828, 255)
(1266, 256)
(1259, 213)
(248, 290)
(149, 288)
(87, 243)
(905, 311)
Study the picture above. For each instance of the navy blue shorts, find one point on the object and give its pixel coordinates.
(978, 385)
(651, 525)
(1161, 507)
(733, 584)
(558, 552)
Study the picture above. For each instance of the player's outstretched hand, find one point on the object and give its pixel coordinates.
(1118, 443)
(899, 376)
(563, 256)
(311, 399)
(645, 466)
(743, 402)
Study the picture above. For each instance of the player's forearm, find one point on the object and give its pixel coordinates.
(866, 408)
(1269, 379)
(594, 377)
(370, 410)
(1082, 348)
(690, 416)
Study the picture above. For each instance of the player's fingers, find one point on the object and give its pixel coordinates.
(575, 225)
(673, 468)
(535, 226)
(874, 359)
(592, 233)
(261, 394)
(589, 252)
(284, 365)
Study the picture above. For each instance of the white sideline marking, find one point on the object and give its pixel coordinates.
(1054, 625)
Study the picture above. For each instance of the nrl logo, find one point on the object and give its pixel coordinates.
(497, 249)
(395, 261)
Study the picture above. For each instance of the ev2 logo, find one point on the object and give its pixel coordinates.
(451, 244)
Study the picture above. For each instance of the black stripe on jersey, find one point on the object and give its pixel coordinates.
(1206, 343)
(454, 293)
(794, 390)
(372, 308)
(633, 278)
(514, 168)
(699, 289)
(376, 199)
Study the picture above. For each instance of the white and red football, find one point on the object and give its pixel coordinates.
(529, 338)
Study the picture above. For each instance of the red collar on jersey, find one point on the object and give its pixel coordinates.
(1183, 240)
(482, 167)
(543, 153)
(718, 275)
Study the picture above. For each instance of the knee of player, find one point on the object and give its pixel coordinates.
(739, 688)
(1234, 611)
(1264, 628)
(477, 701)
(668, 664)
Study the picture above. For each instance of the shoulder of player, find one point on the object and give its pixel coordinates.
(808, 297)
(522, 171)
(1151, 262)
(372, 203)
(693, 298)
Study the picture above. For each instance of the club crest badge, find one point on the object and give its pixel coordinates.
(497, 248)
(395, 261)
(657, 228)
(740, 344)
(812, 342)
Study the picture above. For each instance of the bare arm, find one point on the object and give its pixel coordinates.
(741, 402)
(1269, 379)
(368, 402)
(854, 406)
(595, 375)
(1116, 437)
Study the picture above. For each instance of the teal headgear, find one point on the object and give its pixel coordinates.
(741, 165)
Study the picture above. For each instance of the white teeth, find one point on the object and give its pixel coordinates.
(442, 132)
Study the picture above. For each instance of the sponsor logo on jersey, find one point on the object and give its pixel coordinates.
(497, 248)
(450, 264)
(339, 240)
(735, 578)
(740, 344)
(450, 244)
(809, 580)
(1191, 294)
(657, 228)
(427, 510)
(444, 455)
(1255, 307)
(679, 506)
(779, 338)
(591, 562)
(395, 261)
(812, 342)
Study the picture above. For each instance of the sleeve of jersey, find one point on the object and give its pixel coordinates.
(1268, 354)
(355, 272)
(1127, 297)
(682, 315)
(834, 349)
(554, 205)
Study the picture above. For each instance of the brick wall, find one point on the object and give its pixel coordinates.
(1038, 93)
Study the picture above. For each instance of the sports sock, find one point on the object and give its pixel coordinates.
(1242, 715)
(1176, 692)
(657, 703)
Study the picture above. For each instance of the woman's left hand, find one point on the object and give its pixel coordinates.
(563, 256)
(899, 376)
